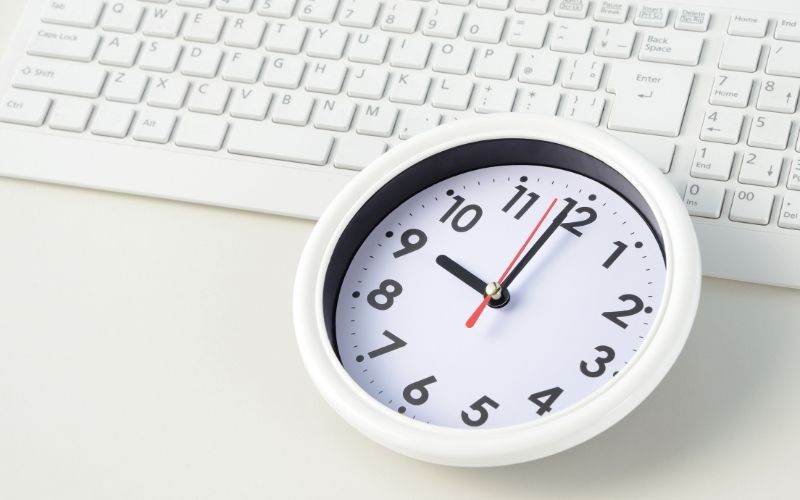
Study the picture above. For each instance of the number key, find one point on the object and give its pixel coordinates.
(402, 17)
(778, 94)
(731, 90)
(443, 21)
(752, 205)
(712, 162)
(769, 131)
(704, 199)
(722, 125)
(762, 168)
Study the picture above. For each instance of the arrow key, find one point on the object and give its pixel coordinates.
(761, 168)
(722, 125)
(778, 94)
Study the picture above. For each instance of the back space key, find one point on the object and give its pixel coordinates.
(59, 77)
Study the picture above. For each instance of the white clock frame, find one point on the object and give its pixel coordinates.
(551, 433)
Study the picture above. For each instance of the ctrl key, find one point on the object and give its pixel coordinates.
(752, 206)
(790, 212)
(24, 108)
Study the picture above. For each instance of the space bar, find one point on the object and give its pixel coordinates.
(266, 140)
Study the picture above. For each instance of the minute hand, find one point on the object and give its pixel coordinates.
(539, 243)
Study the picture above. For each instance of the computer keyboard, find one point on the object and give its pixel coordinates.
(273, 105)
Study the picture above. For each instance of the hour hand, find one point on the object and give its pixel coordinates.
(459, 272)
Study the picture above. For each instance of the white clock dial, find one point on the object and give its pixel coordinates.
(568, 320)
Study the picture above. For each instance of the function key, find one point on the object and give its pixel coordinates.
(692, 19)
(651, 15)
(532, 6)
(611, 12)
(748, 24)
(493, 4)
(575, 9)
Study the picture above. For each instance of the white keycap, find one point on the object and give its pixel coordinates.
(496, 63)
(692, 19)
(284, 72)
(154, 125)
(119, 51)
(123, 17)
(531, 6)
(650, 101)
(537, 100)
(126, 86)
(783, 57)
(452, 93)
(722, 125)
(762, 168)
(335, 115)
(416, 121)
(611, 11)
(265, 140)
(203, 27)
(201, 61)
(326, 77)
(788, 29)
(355, 153)
(401, 16)
(493, 4)
(376, 119)
(410, 88)
(485, 27)
(64, 43)
(704, 199)
(292, 109)
(250, 103)
(201, 132)
(658, 151)
(794, 174)
(318, 11)
(495, 98)
(570, 37)
(539, 68)
(160, 55)
(527, 31)
(748, 24)
(410, 53)
(752, 205)
(276, 8)
(585, 108)
(59, 77)
(652, 15)
(575, 9)
(359, 13)
(778, 94)
(167, 92)
(209, 98)
(327, 42)
(615, 41)
(71, 115)
(80, 13)
(582, 74)
(367, 82)
(245, 32)
(671, 48)
(286, 38)
(712, 162)
(789, 216)
(769, 131)
(442, 21)
(112, 120)
(164, 22)
(239, 6)
(731, 90)
(453, 58)
(24, 108)
(368, 48)
(740, 54)
(244, 67)
(200, 4)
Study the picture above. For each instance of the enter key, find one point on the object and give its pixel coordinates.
(649, 100)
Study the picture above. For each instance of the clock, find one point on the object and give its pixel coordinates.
(496, 290)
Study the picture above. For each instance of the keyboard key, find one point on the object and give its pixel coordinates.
(690, 19)
(740, 54)
(571, 37)
(276, 8)
(286, 38)
(584, 108)
(416, 121)
(663, 47)
(582, 74)
(153, 125)
(495, 98)
(443, 22)
(325, 77)
(24, 108)
(794, 174)
(355, 152)
(335, 115)
(64, 43)
(368, 82)
(783, 58)
(761, 168)
(722, 125)
(124, 86)
(527, 31)
(539, 68)
(531, 6)
(453, 58)
(112, 120)
(119, 51)
(368, 48)
(284, 72)
(769, 131)
(327, 43)
(201, 61)
(493, 4)
(615, 42)
(537, 100)
(452, 93)
(359, 13)
(788, 29)
(410, 88)
(123, 17)
(659, 152)
(71, 115)
(752, 205)
(748, 24)
(245, 32)
(652, 15)
(265, 140)
(650, 101)
(376, 119)
(209, 98)
(292, 109)
(790, 211)
(244, 67)
(712, 162)
(79, 13)
(485, 27)
(239, 6)
(704, 199)
(160, 55)
(251, 104)
(410, 53)
(731, 90)
(496, 63)
(575, 9)
(163, 22)
(401, 17)
(59, 77)
(168, 92)
(778, 94)
(204, 27)
(318, 11)
(609, 11)
(201, 132)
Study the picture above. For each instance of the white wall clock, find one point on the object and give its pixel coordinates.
(497, 290)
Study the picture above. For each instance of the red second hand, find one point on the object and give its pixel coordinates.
(477, 314)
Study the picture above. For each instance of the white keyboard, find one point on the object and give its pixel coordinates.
(273, 105)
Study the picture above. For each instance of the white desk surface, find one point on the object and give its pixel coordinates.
(147, 351)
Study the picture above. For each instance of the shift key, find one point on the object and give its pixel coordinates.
(650, 101)
(59, 77)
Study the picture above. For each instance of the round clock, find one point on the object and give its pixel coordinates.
(496, 290)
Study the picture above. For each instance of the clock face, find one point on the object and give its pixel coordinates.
(498, 296)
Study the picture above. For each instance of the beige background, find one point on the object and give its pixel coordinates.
(146, 351)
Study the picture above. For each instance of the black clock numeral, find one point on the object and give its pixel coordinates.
(420, 387)
(483, 414)
(466, 218)
(620, 247)
(397, 343)
(389, 290)
(591, 216)
(412, 240)
(545, 399)
(614, 316)
(521, 191)
(602, 361)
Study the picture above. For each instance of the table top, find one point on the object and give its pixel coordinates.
(147, 351)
